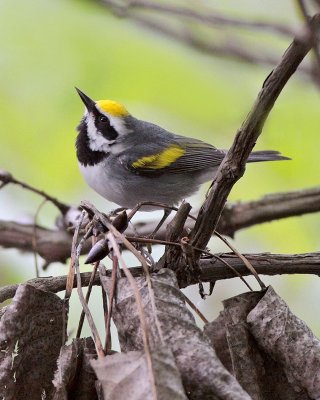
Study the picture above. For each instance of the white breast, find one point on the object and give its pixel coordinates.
(99, 178)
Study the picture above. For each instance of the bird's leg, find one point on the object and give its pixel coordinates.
(162, 221)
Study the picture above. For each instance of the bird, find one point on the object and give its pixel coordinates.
(129, 161)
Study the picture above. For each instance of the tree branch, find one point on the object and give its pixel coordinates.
(233, 49)
(233, 166)
(207, 17)
(243, 215)
(55, 245)
(6, 178)
(314, 34)
(269, 208)
(52, 245)
(212, 270)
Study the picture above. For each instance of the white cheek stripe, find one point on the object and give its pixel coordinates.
(97, 142)
(116, 122)
(119, 125)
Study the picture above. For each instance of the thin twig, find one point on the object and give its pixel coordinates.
(71, 271)
(143, 322)
(65, 310)
(195, 308)
(243, 258)
(208, 17)
(176, 244)
(107, 311)
(232, 49)
(150, 204)
(230, 267)
(104, 220)
(88, 294)
(7, 178)
(34, 238)
(303, 9)
(149, 284)
(114, 274)
(70, 276)
(313, 31)
(94, 331)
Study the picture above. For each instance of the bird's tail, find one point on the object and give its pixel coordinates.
(266, 155)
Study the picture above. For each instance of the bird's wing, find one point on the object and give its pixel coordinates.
(180, 156)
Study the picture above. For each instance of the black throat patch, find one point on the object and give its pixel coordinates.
(85, 155)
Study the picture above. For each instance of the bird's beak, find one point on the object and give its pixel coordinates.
(89, 103)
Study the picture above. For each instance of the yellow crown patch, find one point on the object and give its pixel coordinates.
(112, 107)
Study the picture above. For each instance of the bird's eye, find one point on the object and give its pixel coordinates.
(102, 118)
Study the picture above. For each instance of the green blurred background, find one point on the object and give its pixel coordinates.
(49, 46)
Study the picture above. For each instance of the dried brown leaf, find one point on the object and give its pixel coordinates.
(216, 332)
(74, 377)
(247, 363)
(256, 371)
(31, 332)
(203, 375)
(2, 311)
(124, 376)
(288, 340)
(99, 390)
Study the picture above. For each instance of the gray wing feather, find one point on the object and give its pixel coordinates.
(198, 156)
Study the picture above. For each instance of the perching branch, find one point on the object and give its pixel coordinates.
(233, 166)
(241, 215)
(212, 269)
(54, 245)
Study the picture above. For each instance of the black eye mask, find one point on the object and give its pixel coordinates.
(86, 156)
(103, 125)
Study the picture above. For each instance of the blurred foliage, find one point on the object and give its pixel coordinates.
(49, 46)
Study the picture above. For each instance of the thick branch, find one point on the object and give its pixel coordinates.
(264, 263)
(233, 165)
(55, 245)
(211, 270)
(270, 207)
(245, 214)
(52, 245)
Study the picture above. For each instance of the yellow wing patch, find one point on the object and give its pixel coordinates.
(160, 160)
(112, 107)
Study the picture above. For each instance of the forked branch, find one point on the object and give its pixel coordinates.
(233, 165)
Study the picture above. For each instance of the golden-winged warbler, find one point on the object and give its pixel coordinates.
(128, 161)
